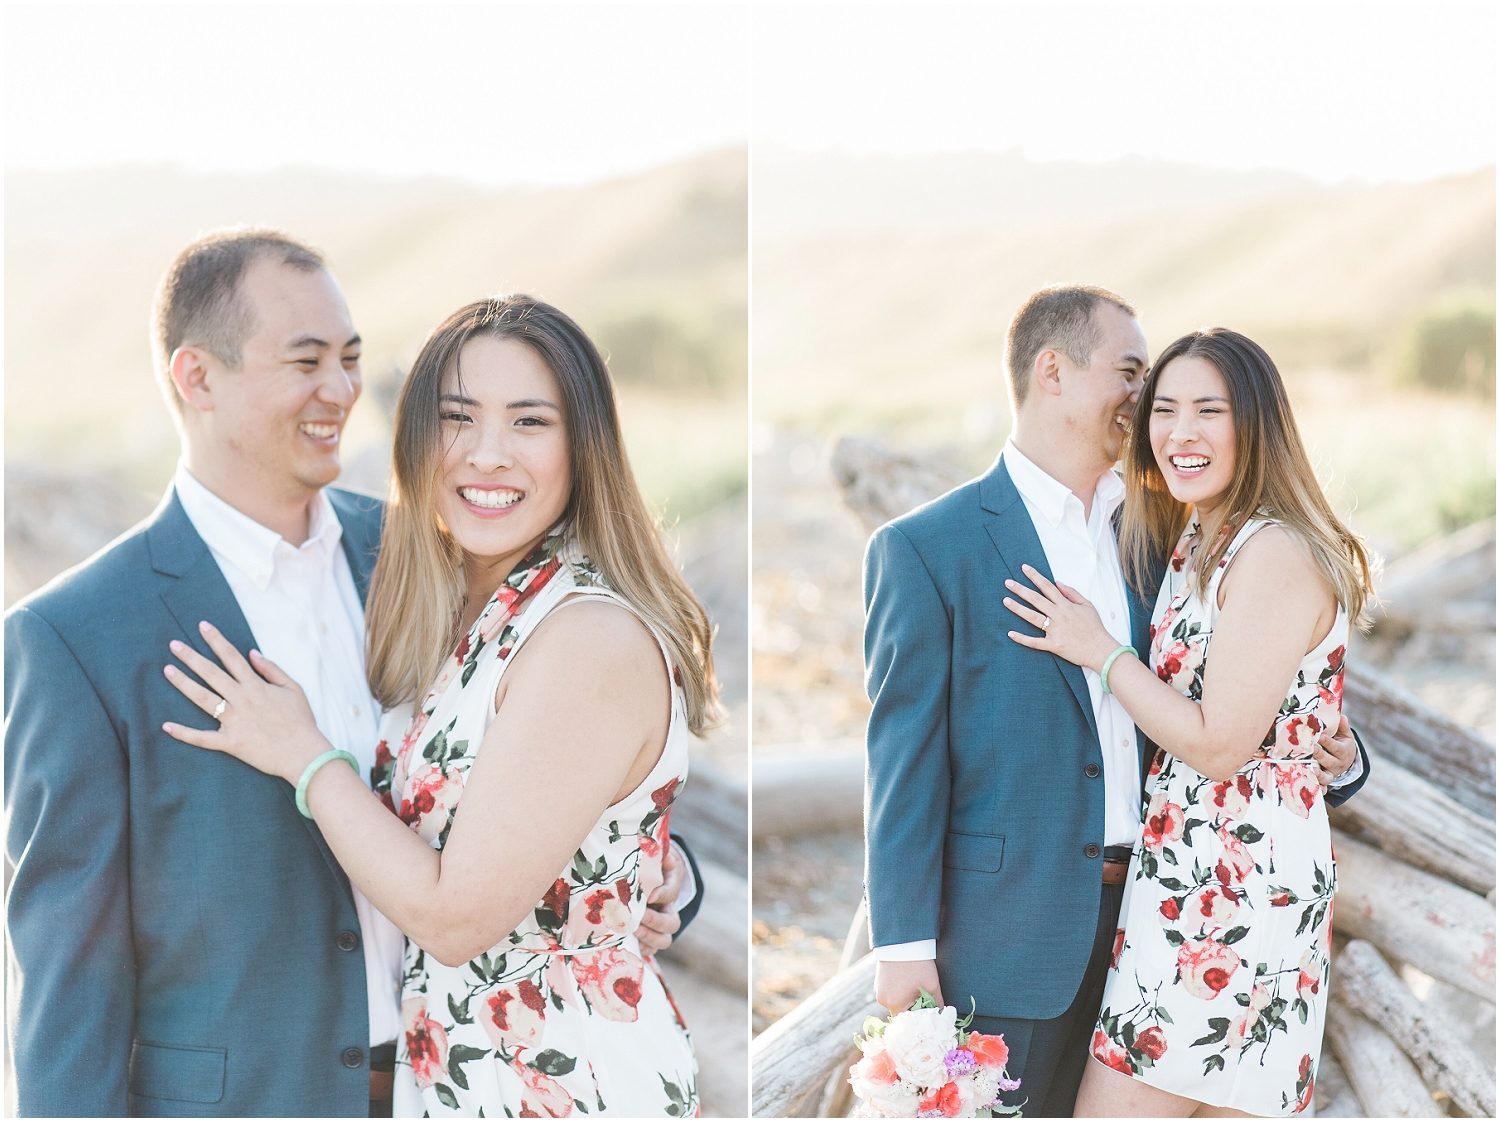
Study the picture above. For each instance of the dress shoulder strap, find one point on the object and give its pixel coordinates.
(1246, 532)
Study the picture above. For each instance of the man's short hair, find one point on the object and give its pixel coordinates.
(199, 304)
(1059, 317)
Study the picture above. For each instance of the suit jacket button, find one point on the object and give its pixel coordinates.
(346, 941)
(1092, 771)
(353, 1057)
(1091, 850)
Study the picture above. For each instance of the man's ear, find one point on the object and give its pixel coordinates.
(189, 372)
(1046, 372)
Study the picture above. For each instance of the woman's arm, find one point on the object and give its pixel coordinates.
(1276, 607)
(581, 720)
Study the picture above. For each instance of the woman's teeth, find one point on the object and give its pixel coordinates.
(489, 498)
(1189, 463)
(319, 432)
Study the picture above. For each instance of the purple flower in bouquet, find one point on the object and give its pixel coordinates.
(959, 1062)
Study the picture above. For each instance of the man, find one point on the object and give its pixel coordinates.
(1004, 786)
(183, 941)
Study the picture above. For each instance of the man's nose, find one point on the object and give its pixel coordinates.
(339, 386)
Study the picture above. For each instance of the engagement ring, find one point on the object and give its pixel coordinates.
(219, 708)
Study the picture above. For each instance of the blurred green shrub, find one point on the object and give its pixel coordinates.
(1451, 346)
(658, 351)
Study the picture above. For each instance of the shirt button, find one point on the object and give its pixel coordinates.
(323, 627)
(1111, 615)
(354, 710)
(1125, 743)
(1090, 850)
(1092, 771)
(353, 1057)
(346, 941)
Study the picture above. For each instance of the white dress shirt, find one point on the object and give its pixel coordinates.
(1081, 552)
(302, 606)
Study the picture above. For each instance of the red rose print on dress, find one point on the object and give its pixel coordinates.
(1110, 1054)
(1235, 862)
(1299, 788)
(1164, 822)
(1169, 912)
(1153, 1042)
(611, 980)
(431, 795)
(1206, 967)
(1212, 909)
(1231, 798)
(426, 1042)
(1310, 973)
(515, 1016)
(544, 1097)
(1179, 663)
(1114, 955)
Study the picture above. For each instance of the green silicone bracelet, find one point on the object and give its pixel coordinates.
(312, 770)
(1110, 661)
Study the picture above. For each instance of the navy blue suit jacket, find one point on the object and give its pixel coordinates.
(984, 811)
(174, 920)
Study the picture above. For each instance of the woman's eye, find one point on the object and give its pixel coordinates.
(532, 422)
(455, 417)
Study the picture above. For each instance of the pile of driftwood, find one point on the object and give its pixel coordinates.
(1416, 870)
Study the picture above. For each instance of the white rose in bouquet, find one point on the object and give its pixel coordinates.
(918, 1042)
(893, 1100)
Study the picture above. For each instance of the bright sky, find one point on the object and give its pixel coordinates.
(1335, 90)
(495, 93)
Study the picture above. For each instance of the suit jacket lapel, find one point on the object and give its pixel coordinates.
(198, 591)
(1141, 610)
(1016, 540)
(360, 549)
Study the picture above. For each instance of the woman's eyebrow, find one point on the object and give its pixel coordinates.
(531, 403)
(458, 399)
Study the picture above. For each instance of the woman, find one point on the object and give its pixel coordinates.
(1214, 1003)
(530, 754)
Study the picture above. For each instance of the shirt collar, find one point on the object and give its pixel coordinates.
(1049, 497)
(236, 537)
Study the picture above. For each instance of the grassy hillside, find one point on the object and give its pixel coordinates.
(899, 330)
(653, 266)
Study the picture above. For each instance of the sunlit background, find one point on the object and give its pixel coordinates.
(592, 154)
(1319, 176)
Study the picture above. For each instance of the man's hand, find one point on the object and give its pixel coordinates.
(661, 921)
(897, 983)
(1335, 753)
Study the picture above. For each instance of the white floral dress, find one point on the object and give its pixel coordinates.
(564, 1016)
(1220, 976)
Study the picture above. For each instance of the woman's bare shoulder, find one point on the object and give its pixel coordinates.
(597, 634)
(1276, 557)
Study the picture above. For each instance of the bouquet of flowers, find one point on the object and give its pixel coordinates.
(924, 1063)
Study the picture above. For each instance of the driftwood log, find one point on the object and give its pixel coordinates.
(1384, 1080)
(1397, 726)
(1441, 929)
(1364, 981)
(809, 794)
(879, 484)
(1453, 568)
(715, 947)
(791, 1061)
(1410, 819)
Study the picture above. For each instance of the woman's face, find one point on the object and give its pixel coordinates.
(1192, 432)
(504, 479)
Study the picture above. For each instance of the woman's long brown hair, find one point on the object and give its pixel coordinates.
(417, 591)
(1272, 475)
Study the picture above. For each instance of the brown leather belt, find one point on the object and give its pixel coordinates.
(382, 1085)
(382, 1079)
(1116, 871)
